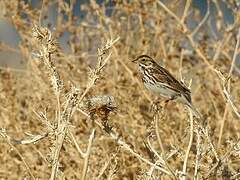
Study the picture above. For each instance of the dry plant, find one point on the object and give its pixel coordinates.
(77, 110)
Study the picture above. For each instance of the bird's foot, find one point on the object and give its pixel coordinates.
(166, 102)
(155, 106)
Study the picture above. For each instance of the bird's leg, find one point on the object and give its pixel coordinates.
(155, 105)
(169, 99)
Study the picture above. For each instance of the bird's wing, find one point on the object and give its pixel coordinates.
(165, 77)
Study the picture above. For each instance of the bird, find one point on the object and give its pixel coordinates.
(161, 82)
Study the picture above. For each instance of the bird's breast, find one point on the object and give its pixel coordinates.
(160, 90)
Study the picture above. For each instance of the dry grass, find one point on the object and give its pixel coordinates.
(84, 113)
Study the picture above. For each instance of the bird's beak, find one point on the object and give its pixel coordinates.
(134, 60)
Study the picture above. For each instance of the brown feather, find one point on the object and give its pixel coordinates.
(163, 75)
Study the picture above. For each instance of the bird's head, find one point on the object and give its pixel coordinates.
(144, 61)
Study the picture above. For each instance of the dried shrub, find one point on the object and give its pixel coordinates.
(77, 109)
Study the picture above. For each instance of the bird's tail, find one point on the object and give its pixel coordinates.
(187, 101)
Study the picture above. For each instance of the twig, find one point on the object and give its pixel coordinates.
(62, 128)
(161, 159)
(163, 47)
(87, 155)
(156, 118)
(180, 66)
(59, 144)
(103, 169)
(227, 93)
(206, 133)
(202, 21)
(58, 111)
(125, 146)
(234, 108)
(188, 35)
(235, 176)
(220, 47)
(198, 155)
(171, 13)
(76, 144)
(150, 172)
(188, 3)
(226, 88)
(8, 140)
(184, 171)
(222, 125)
(220, 160)
(33, 139)
(5, 47)
(235, 53)
(133, 78)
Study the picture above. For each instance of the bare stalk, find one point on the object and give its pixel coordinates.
(161, 159)
(198, 155)
(156, 118)
(188, 35)
(184, 170)
(187, 5)
(226, 89)
(235, 53)
(125, 146)
(202, 21)
(87, 155)
(222, 125)
(103, 169)
(76, 144)
(8, 140)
